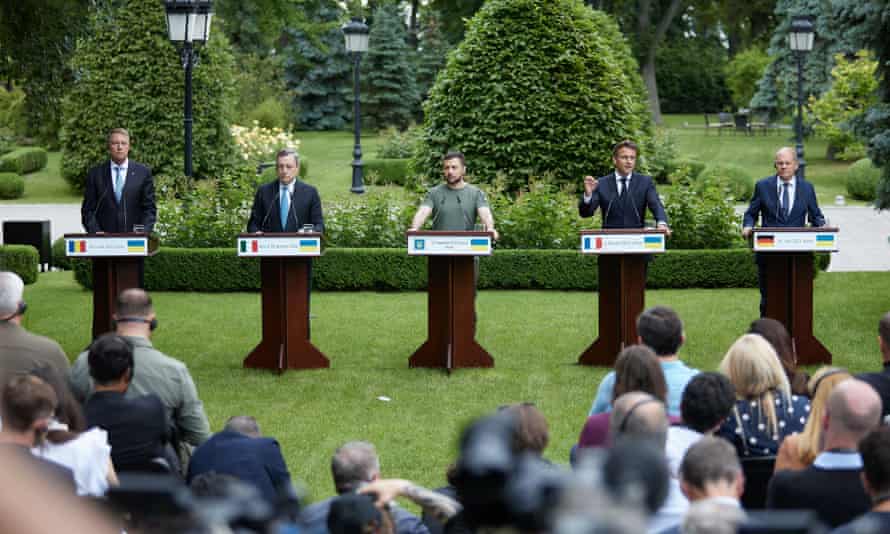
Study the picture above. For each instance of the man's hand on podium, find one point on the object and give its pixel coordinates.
(746, 232)
(666, 228)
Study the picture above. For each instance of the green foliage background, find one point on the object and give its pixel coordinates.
(128, 74)
(742, 73)
(536, 87)
(686, 86)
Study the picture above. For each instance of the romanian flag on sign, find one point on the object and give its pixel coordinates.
(479, 244)
(653, 241)
(135, 245)
(765, 240)
(309, 245)
(825, 240)
(76, 246)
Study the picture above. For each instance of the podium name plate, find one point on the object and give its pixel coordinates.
(769, 240)
(448, 244)
(622, 243)
(279, 246)
(89, 246)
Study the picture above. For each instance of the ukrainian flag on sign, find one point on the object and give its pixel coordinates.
(309, 245)
(652, 241)
(825, 240)
(480, 245)
(135, 245)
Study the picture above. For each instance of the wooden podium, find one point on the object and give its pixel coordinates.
(787, 256)
(451, 298)
(116, 264)
(285, 263)
(622, 287)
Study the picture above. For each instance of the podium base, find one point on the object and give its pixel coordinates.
(269, 355)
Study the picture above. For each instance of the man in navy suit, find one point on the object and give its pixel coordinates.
(781, 200)
(623, 195)
(119, 193)
(286, 204)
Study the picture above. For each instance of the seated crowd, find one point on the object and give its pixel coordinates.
(665, 447)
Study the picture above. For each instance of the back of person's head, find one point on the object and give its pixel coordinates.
(637, 369)
(820, 386)
(661, 329)
(854, 409)
(778, 337)
(710, 460)
(875, 451)
(213, 484)
(133, 303)
(756, 374)
(244, 424)
(707, 400)
(712, 517)
(638, 415)
(355, 514)
(26, 400)
(11, 291)
(69, 418)
(110, 357)
(884, 330)
(353, 464)
(636, 474)
(532, 433)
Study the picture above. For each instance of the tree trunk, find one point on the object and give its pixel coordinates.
(648, 73)
(653, 37)
(412, 25)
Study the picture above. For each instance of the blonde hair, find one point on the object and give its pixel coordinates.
(820, 387)
(753, 367)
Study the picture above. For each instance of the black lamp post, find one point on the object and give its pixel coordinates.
(188, 26)
(356, 33)
(800, 40)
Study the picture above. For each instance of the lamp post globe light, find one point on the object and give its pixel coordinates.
(800, 40)
(188, 27)
(356, 33)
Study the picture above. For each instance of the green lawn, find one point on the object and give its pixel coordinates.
(534, 336)
(47, 186)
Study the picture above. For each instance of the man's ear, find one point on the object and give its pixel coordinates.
(740, 484)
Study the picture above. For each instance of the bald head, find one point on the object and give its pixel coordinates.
(854, 410)
(639, 415)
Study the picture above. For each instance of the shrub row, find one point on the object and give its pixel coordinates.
(24, 160)
(393, 270)
(862, 180)
(12, 185)
(20, 259)
(386, 171)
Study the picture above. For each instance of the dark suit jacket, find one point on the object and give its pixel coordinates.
(881, 383)
(100, 211)
(835, 494)
(137, 428)
(305, 208)
(765, 205)
(617, 214)
(256, 461)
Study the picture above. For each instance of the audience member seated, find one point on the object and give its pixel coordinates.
(138, 429)
(532, 432)
(831, 487)
(85, 452)
(154, 372)
(636, 369)
(765, 410)
(660, 329)
(20, 350)
(777, 335)
(27, 405)
(800, 450)
(711, 474)
(353, 465)
(881, 381)
(875, 452)
(357, 514)
(442, 507)
(707, 402)
(241, 451)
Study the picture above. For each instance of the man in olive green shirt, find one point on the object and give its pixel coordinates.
(455, 204)
(153, 371)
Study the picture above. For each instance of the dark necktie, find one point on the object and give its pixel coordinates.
(785, 199)
(623, 188)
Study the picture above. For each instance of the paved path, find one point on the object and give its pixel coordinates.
(865, 249)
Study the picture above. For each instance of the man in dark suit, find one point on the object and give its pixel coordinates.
(880, 381)
(119, 193)
(783, 200)
(623, 195)
(286, 204)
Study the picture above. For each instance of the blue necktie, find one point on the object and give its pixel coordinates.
(118, 184)
(786, 207)
(285, 205)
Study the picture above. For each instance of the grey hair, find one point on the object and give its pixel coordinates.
(353, 464)
(11, 290)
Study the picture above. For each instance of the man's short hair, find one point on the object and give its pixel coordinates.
(133, 303)
(875, 451)
(26, 399)
(456, 155)
(353, 464)
(627, 143)
(788, 149)
(884, 329)
(638, 415)
(710, 459)
(284, 152)
(661, 329)
(11, 291)
(707, 400)
(109, 358)
(121, 131)
(244, 424)
(636, 474)
(854, 408)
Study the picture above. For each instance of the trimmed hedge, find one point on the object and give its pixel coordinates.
(20, 259)
(862, 180)
(12, 185)
(24, 160)
(386, 171)
(391, 269)
(60, 260)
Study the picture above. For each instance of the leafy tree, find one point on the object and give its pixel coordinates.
(129, 74)
(692, 86)
(431, 54)
(454, 14)
(742, 74)
(389, 96)
(537, 87)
